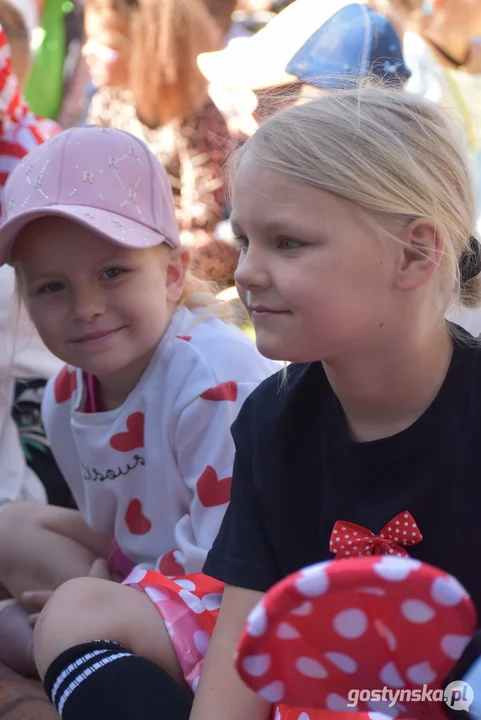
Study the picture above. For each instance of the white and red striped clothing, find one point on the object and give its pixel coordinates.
(20, 130)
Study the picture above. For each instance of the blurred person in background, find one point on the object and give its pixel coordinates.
(222, 11)
(21, 130)
(321, 45)
(58, 77)
(442, 48)
(141, 54)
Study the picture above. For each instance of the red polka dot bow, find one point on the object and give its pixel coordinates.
(350, 540)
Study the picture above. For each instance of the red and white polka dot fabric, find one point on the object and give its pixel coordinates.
(189, 606)
(378, 622)
(349, 540)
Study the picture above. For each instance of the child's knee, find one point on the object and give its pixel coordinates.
(81, 610)
(24, 515)
(88, 609)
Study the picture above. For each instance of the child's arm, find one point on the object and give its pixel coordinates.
(221, 694)
(244, 558)
(205, 453)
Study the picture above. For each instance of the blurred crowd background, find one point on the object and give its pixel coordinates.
(192, 77)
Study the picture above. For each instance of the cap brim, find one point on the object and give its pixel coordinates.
(260, 61)
(235, 68)
(110, 226)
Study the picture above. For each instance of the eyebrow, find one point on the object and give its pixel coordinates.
(107, 260)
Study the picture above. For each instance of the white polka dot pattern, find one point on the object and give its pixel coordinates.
(311, 668)
(338, 703)
(257, 665)
(304, 609)
(273, 692)
(257, 621)
(447, 591)
(292, 653)
(342, 661)
(421, 674)
(286, 631)
(349, 540)
(395, 637)
(312, 582)
(417, 611)
(351, 623)
(390, 676)
(453, 645)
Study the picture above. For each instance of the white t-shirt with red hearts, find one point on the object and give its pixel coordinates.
(156, 472)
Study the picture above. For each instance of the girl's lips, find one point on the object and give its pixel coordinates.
(93, 337)
(262, 309)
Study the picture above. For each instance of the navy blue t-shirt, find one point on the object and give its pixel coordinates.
(297, 471)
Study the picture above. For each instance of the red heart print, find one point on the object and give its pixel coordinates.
(224, 391)
(168, 565)
(137, 522)
(133, 437)
(211, 490)
(65, 384)
(187, 338)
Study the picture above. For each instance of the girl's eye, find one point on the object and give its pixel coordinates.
(111, 273)
(288, 244)
(242, 243)
(50, 288)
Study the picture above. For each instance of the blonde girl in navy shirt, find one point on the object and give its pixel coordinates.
(355, 213)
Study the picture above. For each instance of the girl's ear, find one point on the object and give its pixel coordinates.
(422, 250)
(177, 266)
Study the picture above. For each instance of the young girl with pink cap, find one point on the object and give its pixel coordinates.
(139, 417)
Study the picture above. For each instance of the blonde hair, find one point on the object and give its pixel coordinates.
(387, 152)
(202, 294)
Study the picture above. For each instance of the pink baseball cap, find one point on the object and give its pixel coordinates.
(104, 179)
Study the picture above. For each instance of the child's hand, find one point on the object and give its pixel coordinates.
(100, 569)
(34, 601)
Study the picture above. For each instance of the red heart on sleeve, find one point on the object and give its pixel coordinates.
(211, 490)
(65, 384)
(224, 391)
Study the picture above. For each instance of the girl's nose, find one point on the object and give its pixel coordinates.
(252, 270)
(87, 303)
